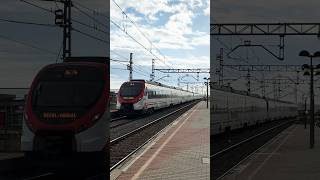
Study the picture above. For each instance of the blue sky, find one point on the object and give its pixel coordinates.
(177, 33)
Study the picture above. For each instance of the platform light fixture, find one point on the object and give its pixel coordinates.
(310, 67)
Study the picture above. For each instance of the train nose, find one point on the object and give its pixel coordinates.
(55, 143)
(127, 107)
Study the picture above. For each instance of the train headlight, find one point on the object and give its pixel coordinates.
(27, 122)
(96, 117)
(26, 117)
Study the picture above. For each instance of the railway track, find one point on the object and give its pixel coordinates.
(23, 170)
(126, 125)
(117, 118)
(116, 122)
(230, 156)
(122, 147)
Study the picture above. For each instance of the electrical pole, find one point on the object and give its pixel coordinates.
(207, 93)
(207, 83)
(311, 106)
(152, 71)
(63, 19)
(67, 29)
(274, 90)
(130, 68)
(263, 86)
(296, 88)
(279, 90)
(220, 59)
(249, 81)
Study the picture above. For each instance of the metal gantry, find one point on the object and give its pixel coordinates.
(282, 68)
(199, 70)
(265, 29)
(277, 29)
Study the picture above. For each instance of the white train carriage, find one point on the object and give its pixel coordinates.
(142, 96)
(232, 109)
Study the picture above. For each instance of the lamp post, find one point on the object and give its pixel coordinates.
(207, 83)
(305, 66)
(304, 100)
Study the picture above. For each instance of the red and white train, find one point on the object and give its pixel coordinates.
(143, 96)
(67, 109)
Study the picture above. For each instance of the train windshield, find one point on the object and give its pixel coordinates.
(64, 93)
(131, 89)
(68, 87)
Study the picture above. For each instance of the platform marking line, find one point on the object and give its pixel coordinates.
(271, 154)
(141, 170)
(135, 159)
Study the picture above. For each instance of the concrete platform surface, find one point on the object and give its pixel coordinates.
(182, 152)
(5, 156)
(285, 157)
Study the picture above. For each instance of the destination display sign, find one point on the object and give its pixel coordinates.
(128, 97)
(55, 115)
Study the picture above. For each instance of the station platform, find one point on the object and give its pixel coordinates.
(5, 156)
(181, 151)
(286, 157)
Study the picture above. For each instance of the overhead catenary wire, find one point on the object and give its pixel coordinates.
(90, 36)
(59, 52)
(37, 6)
(119, 55)
(127, 61)
(135, 70)
(143, 46)
(28, 45)
(89, 26)
(79, 22)
(143, 34)
(27, 22)
(89, 9)
(51, 11)
(153, 50)
(89, 16)
(116, 60)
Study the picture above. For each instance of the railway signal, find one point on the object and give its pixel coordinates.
(63, 19)
(59, 20)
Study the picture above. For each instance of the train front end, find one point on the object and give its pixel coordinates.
(66, 110)
(131, 97)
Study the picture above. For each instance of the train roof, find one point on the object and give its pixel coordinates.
(160, 84)
(244, 93)
(94, 59)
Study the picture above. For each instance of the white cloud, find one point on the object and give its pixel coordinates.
(176, 32)
(116, 81)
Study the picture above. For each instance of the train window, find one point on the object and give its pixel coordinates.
(151, 94)
(130, 89)
(146, 92)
